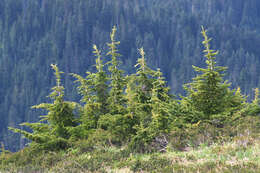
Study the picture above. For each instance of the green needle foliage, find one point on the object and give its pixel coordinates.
(256, 99)
(115, 121)
(160, 103)
(254, 108)
(208, 93)
(149, 103)
(55, 132)
(94, 91)
(117, 80)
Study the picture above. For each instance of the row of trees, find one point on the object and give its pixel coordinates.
(136, 108)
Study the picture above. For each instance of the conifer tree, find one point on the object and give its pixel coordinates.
(159, 124)
(160, 102)
(256, 103)
(208, 93)
(254, 107)
(94, 91)
(54, 133)
(148, 101)
(116, 121)
(237, 101)
(145, 77)
(100, 82)
(117, 81)
(256, 99)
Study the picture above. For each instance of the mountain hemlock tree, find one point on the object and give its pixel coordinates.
(53, 130)
(208, 93)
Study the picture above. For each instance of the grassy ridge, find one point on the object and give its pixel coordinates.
(237, 149)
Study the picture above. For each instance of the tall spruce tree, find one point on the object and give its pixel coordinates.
(160, 103)
(145, 77)
(254, 107)
(117, 81)
(116, 121)
(53, 130)
(256, 99)
(147, 99)
(94, 91)
(208, 93)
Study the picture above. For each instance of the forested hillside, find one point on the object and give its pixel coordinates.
(37, 33)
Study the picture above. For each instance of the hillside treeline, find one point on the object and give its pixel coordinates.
(136, 110)
(37, 33)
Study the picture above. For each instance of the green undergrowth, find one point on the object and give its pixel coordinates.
(234, 148)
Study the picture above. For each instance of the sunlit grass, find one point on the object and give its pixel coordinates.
(239, 153)
(228, 157)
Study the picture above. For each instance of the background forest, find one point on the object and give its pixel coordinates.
(37, 33)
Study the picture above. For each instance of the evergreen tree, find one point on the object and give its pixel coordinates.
(148, 103)
(115, 121)
(256, 99)
(117, 81)
(160, 102)
(145, 77)
(254, 107)
(100, 83)
(208, 93)
(94, 91)
(53, 130)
